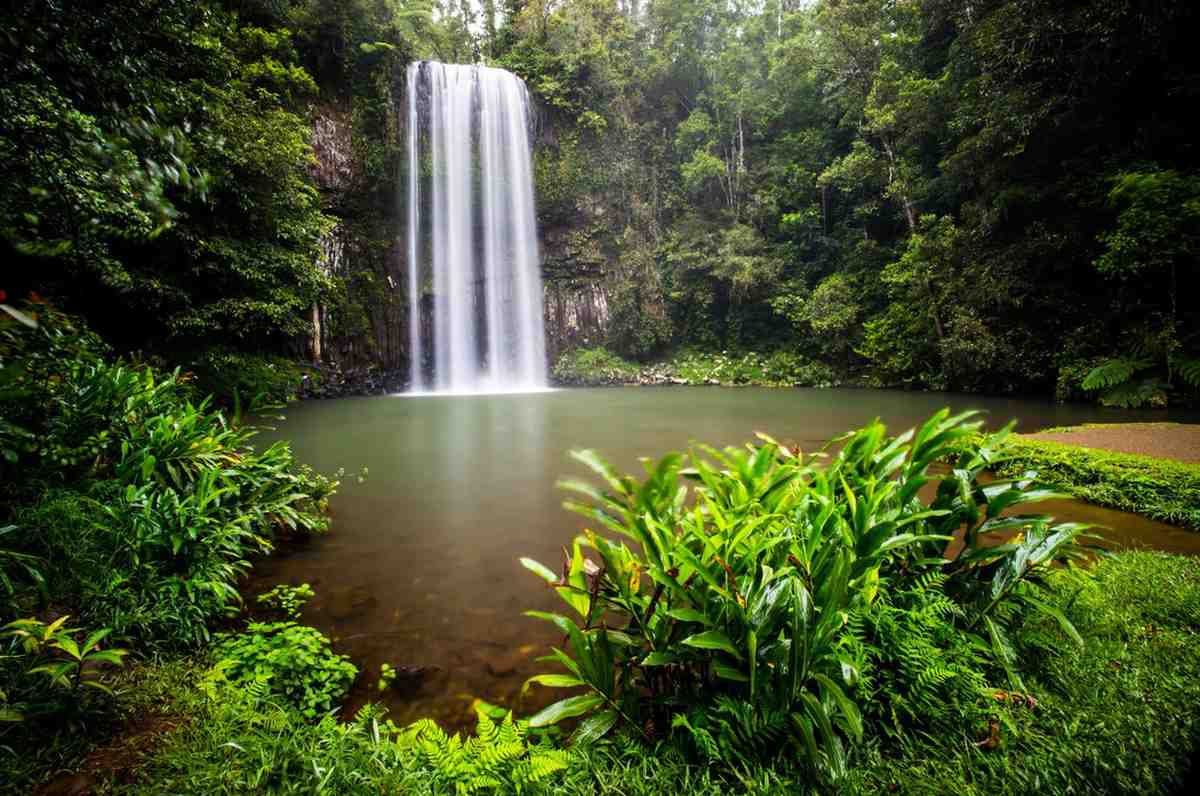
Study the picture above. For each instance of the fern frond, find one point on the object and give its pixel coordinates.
(1113, 372)
(1189, 372)
(543, 764)
(1135, 394)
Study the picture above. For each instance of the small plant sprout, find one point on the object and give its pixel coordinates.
(288, 599)
(387, 676)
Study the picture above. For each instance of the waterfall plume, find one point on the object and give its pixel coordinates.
(472, 232)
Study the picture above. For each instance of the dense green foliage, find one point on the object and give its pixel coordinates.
(782, 604)
(593, 366)
(783, 625)
(129, 504)
(1094, 728)
(993, 196)
(971, 195)
(164, 177)
(1157, 488)
(1111, 717)
(292, 660)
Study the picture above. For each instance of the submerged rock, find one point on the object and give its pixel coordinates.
(507, 663)
(346, 603)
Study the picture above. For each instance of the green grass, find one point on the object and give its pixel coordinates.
(1120, 715)
(1160, 489)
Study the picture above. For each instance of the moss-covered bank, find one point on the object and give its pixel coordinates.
(1160, 489)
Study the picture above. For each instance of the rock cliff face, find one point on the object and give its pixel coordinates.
(363, 334)
(574, 273)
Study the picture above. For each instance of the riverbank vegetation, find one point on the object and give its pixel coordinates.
(1161, 489)
(802, 633)
(593, 367)
(132, 508)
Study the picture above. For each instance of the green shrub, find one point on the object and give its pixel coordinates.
(747, 587)
(295, 661)
(777, 369)
(1114, 716)
(55, 666)
(587, 367)
(247, 382)
(136, 505)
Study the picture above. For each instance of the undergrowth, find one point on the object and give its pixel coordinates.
(592, 367)
(1116, 716)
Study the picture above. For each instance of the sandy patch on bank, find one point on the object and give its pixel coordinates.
(1178, 441)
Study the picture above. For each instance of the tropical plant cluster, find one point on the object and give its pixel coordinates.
(294, 661)
(131, 508)
(755, 602)
(1103, 716)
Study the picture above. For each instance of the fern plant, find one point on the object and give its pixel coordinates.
(919, 669)
(1137, 381)
(1116, 382)
(497, 758)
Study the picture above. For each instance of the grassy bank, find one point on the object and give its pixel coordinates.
(1160, 489)
(1118, 716)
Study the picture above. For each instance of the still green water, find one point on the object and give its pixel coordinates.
(421, 567)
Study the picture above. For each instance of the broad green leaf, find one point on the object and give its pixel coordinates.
(729, 673)
(660, 659)
(553, 681)
(565, 709)
(689, 615)
(538, 569)
(594, 727)
(713, 640)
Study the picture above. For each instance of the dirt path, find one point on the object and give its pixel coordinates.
(1178, 441)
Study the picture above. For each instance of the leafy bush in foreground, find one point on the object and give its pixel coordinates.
(753, 601)
(1115, 716)
(294, 661)
(134, 503)
(128, 502)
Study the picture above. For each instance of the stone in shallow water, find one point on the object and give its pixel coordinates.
(505, 664)
(347, 603)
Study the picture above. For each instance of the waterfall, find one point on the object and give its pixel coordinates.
(472, 232)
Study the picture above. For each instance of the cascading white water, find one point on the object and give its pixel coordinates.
(472, 230)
